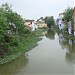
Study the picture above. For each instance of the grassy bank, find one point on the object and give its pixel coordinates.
(25, 43)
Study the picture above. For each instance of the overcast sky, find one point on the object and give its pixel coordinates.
(34, 9)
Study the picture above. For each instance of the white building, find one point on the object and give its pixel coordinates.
(69, 27)
(34, 26)
(61, 23)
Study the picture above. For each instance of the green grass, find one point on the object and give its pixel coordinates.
(25, 43)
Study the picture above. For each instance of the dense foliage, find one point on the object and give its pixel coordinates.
(15, 38)
(8, 20)
(11, 28)
(68, 13)
(50, 21)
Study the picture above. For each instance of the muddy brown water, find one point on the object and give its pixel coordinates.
(54, 55)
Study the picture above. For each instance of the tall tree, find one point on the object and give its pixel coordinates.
(68, 13)
(50, 21)
(7, 15)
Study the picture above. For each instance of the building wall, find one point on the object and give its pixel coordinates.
(42, 25)
(28, 24)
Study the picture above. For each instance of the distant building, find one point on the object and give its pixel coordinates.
(29, 23)
(70, 27)
(62, 15)
(41, 23)
(60, 21)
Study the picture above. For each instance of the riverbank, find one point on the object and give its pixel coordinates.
(64, 33)
(25, 43)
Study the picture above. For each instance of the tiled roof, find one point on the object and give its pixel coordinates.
(29, 20)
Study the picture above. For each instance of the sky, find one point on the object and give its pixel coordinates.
(34, 9)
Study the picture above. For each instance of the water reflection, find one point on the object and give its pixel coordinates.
(14, 66)
(50, 34)
(63, 41)
(46, 58)
(69, 45)
(70, 54)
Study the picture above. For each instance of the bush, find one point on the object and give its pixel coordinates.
(4, 49)
(14, 41)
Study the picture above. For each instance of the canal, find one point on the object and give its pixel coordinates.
(53, 55)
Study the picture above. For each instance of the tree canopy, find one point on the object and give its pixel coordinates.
(50, 21)
(68, 13)
(7, 16)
